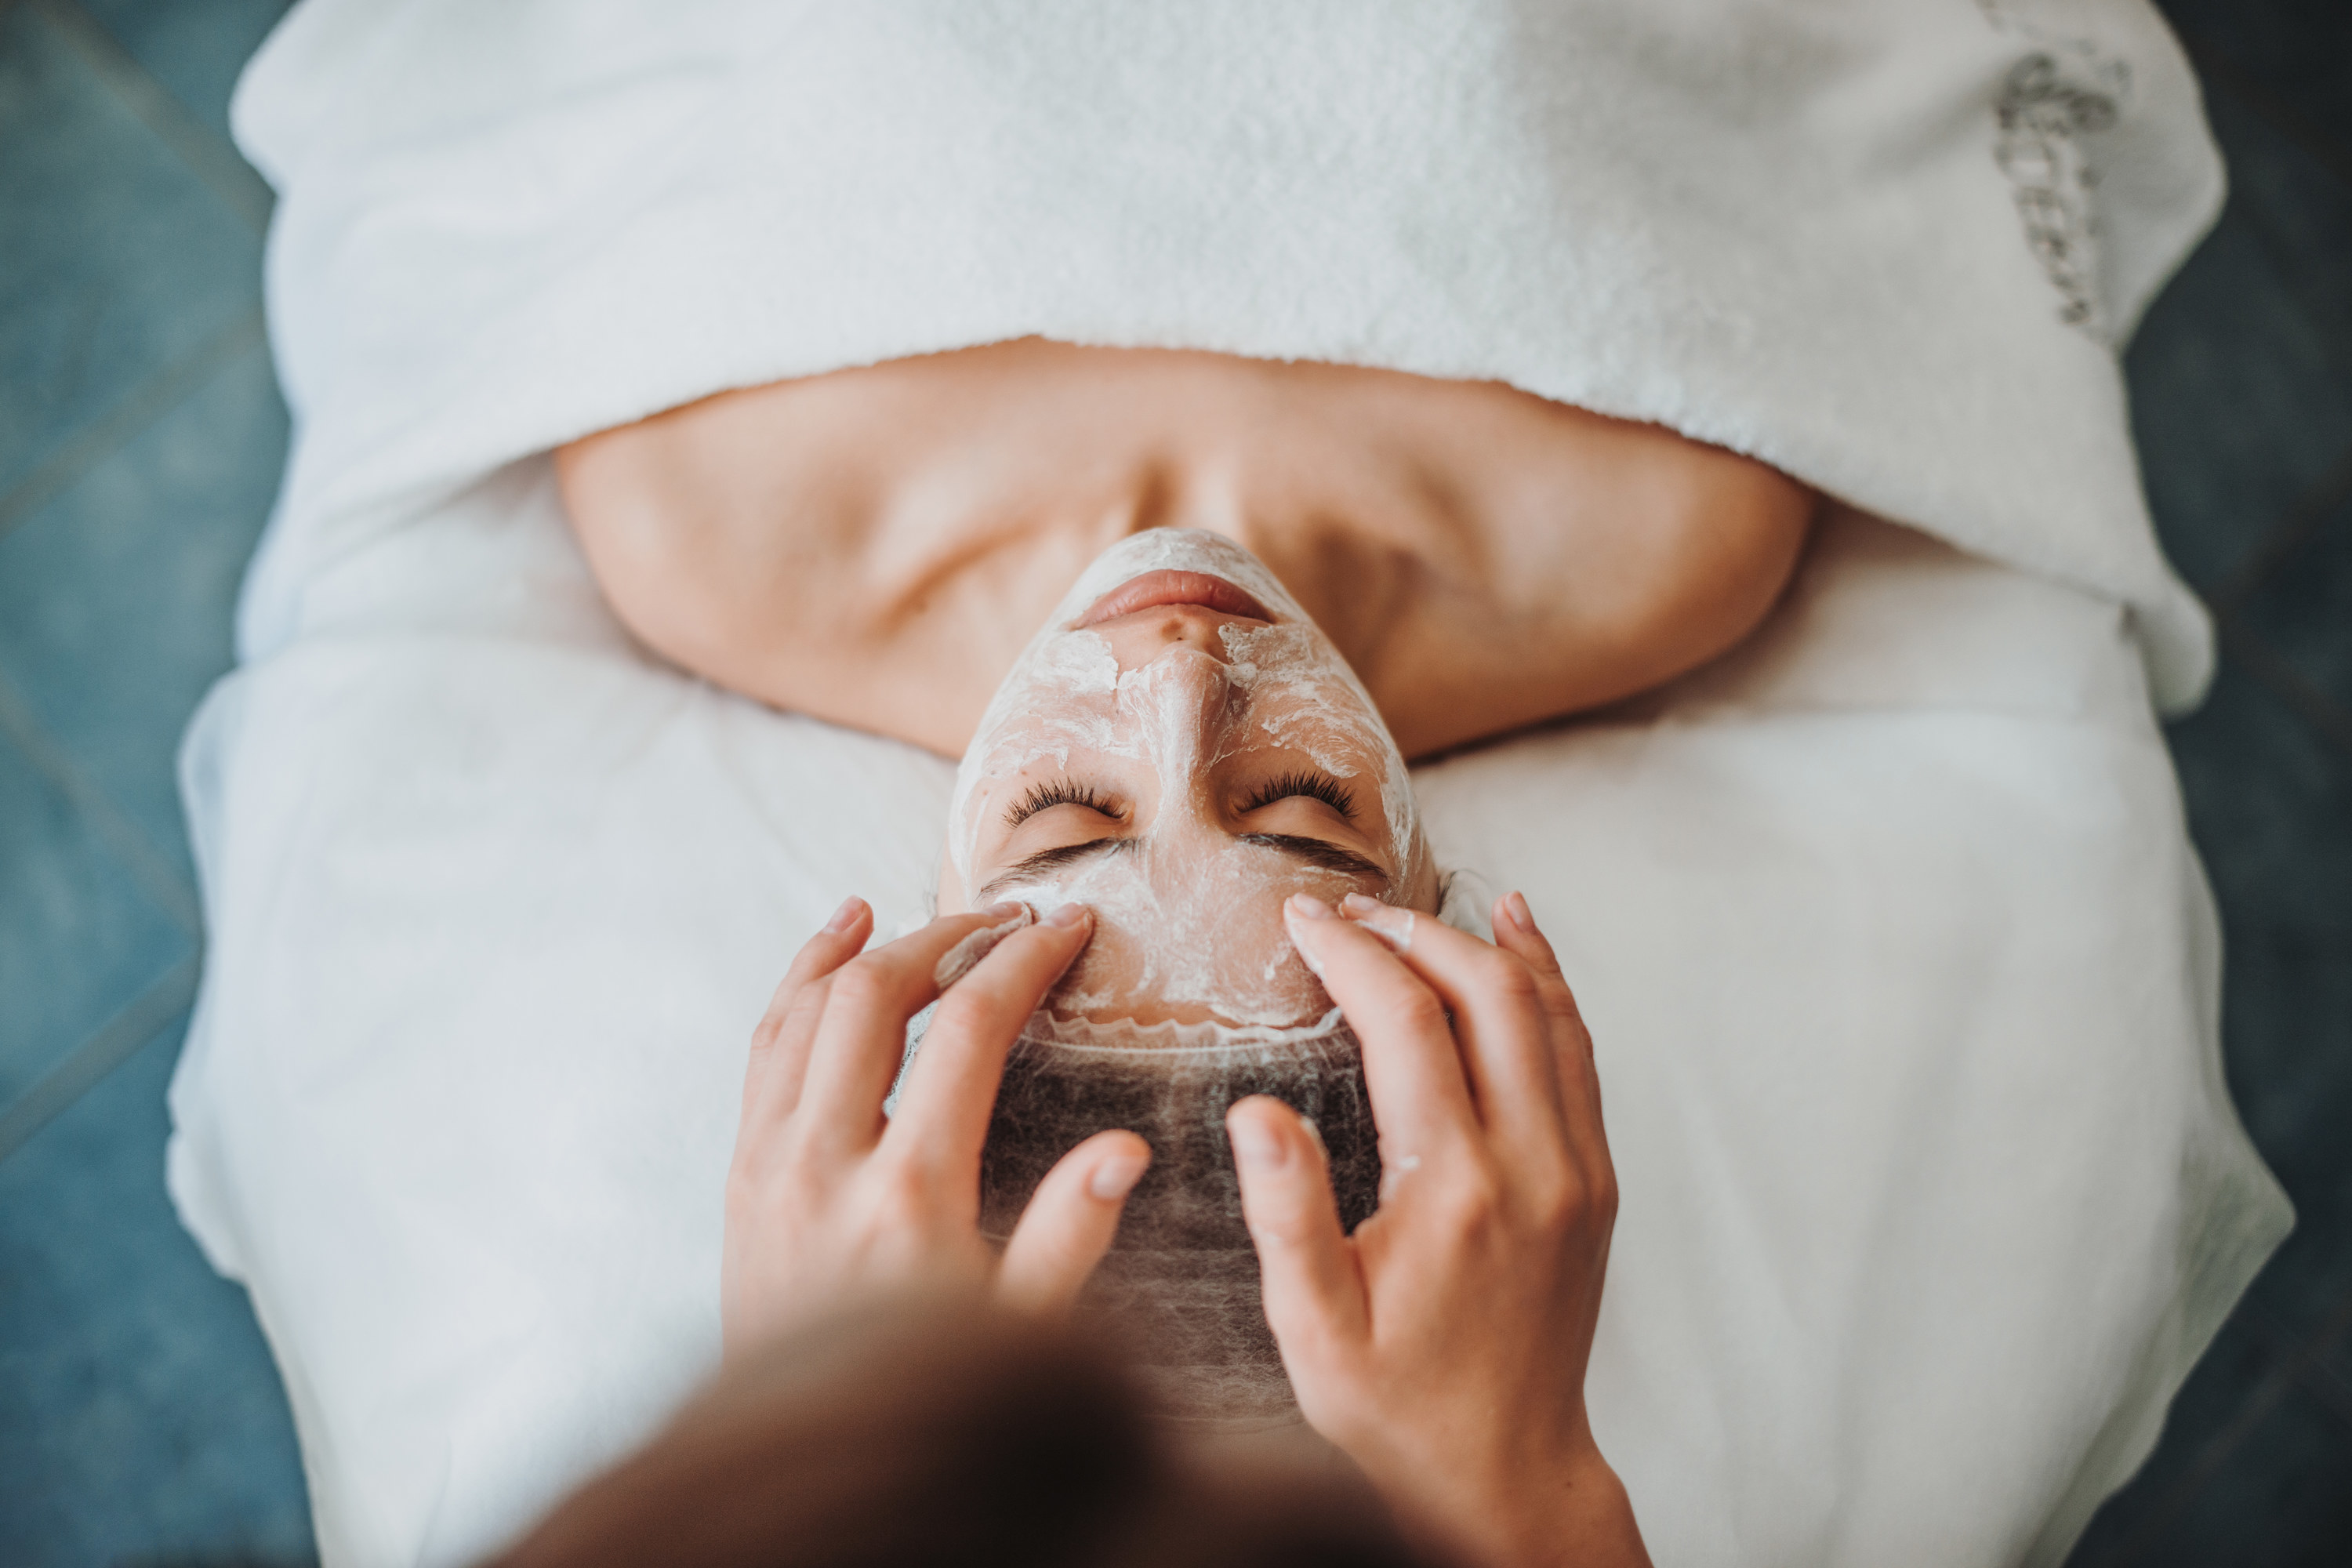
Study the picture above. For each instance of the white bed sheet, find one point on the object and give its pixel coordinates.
(1901, 970)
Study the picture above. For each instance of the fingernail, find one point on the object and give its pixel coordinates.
(1006, 909)
(845, 916)
(1390, 924)
(1521, 915)
(1115, 1175)
(1310, 907)
(1069, 915)
(1315, 1134)
(1254, 1145)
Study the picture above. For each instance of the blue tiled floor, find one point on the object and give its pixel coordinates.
(140, 440)
(139, 1417)
(141, 437)
(120, 259)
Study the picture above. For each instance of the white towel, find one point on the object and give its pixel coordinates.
(1886, 245)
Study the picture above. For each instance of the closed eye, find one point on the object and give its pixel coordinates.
(1058, 792)
(1312, 785)
(1321, 852)
(1047, 861)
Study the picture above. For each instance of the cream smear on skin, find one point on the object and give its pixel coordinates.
(1167, 900)
(964, 956)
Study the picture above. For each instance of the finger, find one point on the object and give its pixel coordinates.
(771, 1077)
(1420, 1101)
(1580, 1081)
(1507, 1033)
(1070, 1221)
(1314, 1290)
(1516, 932)
(943, 1109)
(861, 1037)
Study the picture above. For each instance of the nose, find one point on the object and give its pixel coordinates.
(1181, 694)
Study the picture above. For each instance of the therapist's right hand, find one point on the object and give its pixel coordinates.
(828, 1199)
(1442, 1345)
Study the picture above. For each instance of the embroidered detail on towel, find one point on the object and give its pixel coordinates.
(2042, 116)
(2046, 107)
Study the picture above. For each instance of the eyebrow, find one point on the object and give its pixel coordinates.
(1317, 852)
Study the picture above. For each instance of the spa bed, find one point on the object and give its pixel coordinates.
(1901, 969)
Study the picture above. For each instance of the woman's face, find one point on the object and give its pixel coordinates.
(1181, 749)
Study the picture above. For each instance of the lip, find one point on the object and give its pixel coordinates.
(1154, 589)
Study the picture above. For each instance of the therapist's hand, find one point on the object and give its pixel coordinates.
(828, 1198)
(1442, 1346)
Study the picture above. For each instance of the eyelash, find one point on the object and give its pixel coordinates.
(1314, 786)
(1061, 792)
(1064, 792)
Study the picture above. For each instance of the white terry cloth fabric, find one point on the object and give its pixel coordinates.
(1900, 963)
(1900, 968)
(1886, 245)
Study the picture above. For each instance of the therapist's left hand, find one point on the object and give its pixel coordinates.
(828, 1198)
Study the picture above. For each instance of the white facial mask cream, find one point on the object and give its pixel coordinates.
(1187, 909)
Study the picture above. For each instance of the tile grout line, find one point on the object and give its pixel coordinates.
(2286, 683)
(113, 1043)
(2304, 518)
(2330, 1385)
(2306, 1359)
(157, 396)
(159, 881)
(218, 164)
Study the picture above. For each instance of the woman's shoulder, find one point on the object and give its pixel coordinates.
(874, 545)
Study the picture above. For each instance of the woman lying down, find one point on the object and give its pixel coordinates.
(1202, 1046)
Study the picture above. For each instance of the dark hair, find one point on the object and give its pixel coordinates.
(940, 1433)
